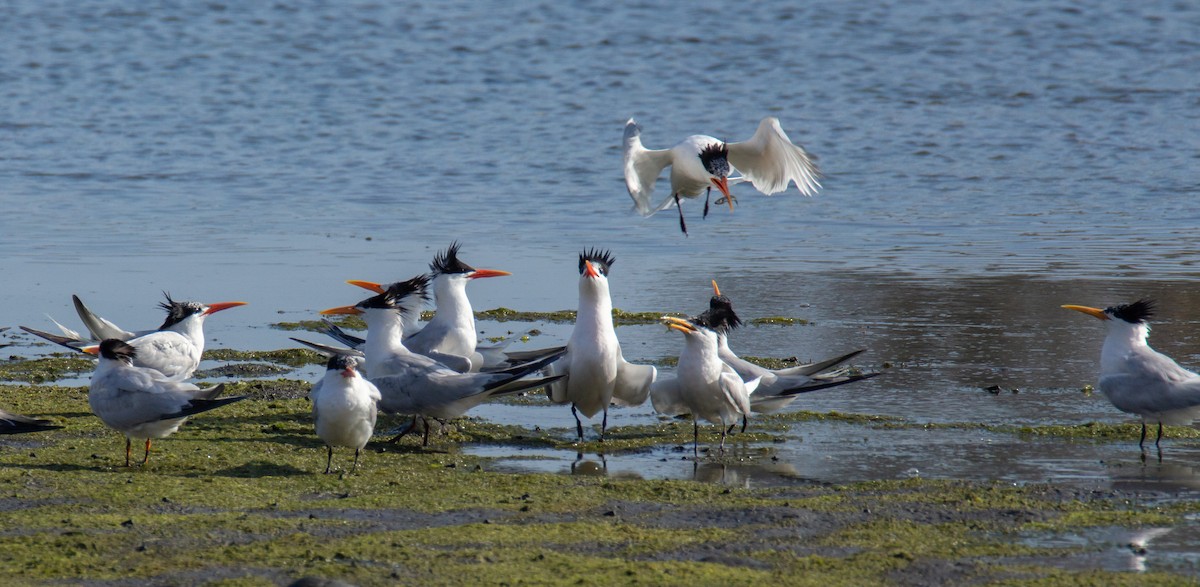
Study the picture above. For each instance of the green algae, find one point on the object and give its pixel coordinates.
(237, 495)
(501, 314)
(293, 357)
(51, 368)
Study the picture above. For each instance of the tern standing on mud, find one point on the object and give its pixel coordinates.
(451, 331)
(415, 384)
(140, 402)
(1138, 379)
(174, 350)
(344, 407)
(597, 374)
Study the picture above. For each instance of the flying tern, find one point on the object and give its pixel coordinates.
(174, 349)
(344, 407)
(595, 372)
(415, 384)
(451, 331)
(16, 424)
(1138, 379)
(141, 402)
(768, 160)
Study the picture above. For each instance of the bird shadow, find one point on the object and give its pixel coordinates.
(257, 469)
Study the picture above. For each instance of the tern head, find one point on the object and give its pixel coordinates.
(447, 263)
(177, 312)
(720, 312)
(117, 350)
(402, 296)
(347, 364)
(594, 263)
(1138, 312)
(715, 159)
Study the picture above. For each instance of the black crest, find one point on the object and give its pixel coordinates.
(721, 314)
(1134, 313)
(715, 159)
(415, 287)
(447, 262)
(177, 311)
(384, 301)
(601, 259)
(341, 362)
(393, 298)
(118, 350)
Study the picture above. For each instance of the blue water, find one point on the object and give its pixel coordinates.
(985, 163)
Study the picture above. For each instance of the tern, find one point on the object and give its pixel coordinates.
(344, 407)
(415, 384)
(1138, 379)
(451, 332)
(174, 349)
(773, 383)
(141, 402)
(704, 386)
(16, 424)
(768, 160)
(595, 372)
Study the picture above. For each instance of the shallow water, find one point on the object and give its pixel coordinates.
(984, 165)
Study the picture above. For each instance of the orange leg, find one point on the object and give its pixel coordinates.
(146, 458)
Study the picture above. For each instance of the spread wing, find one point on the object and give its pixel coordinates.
(667, 397)
(98, 326)
(642, 168)
(770, 161)
(633, 383)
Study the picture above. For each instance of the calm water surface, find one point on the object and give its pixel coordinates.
(985, 164)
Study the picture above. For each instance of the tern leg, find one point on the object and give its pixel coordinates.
(707, 193)
(604, 424)
(411, 425)
(329, 459)
(578, 424)
(724, 431)
(146, 457)
(1156, 440)
(695, 437)
(1142, 442)
(354, 467)
(425, 438)
(128, 443)
(682, 223)
(745, 421)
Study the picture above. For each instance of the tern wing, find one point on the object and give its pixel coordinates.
(642, 168)
(333, 331)
(633, 383)
(75, 344)
(1153, 383)
(819, 366)
(99, 327)
(169, 353)
(67, 332)
(557, 392)
(667, 397)
(737, 392)
(17, 424)
(770, 161)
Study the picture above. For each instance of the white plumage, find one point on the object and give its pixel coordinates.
(768, 160)
(1138, 379)
(345, 406)
(141, 402)
(595, 372)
